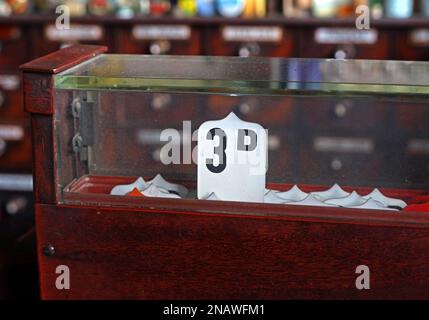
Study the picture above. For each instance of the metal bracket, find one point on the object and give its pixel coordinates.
(82, 111)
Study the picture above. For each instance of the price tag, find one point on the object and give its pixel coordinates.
(11, 132)
(232, 160)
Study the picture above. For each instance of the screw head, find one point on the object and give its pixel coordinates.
(48, 250)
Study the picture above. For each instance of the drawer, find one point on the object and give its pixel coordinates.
(413, 162)
(149, 150)
(411, 168)
(10, 97)
(13, 46)
(159, 39)
(281, 157)
(144, 146)
(244, 256)
(412, 117)
(344, 43)
(269, 112)
(15, 145)
(158, 110)
(412, 44)
(84, 33)
(156, 155)
(250, 40)
(349, 115)
(16, 204)
(327, 160)
(141, 150)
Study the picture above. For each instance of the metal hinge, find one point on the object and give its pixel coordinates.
(82, 112)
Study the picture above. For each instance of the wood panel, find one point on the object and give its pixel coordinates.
(114, 253)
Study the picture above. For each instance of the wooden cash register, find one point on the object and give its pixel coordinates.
(153, 248)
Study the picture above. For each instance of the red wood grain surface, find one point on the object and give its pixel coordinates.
(95, 190)
(114, 253)
(63, 59)
(38, 96)
(43, 155)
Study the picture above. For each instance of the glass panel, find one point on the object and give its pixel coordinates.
(245, 75)
(326, 124)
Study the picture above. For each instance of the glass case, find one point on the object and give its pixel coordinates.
(341, 133)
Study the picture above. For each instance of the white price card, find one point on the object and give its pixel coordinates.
(232, 160)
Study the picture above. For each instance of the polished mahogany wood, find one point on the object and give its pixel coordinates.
(63, 59)
(37, 93)
(117, 253)
(43, 151)
(95, 189)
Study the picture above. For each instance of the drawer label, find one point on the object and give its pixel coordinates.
(77, 32)
(346, 145)
(420, 37)
(9, 81)
(164, 32)
(418, 146)
(345, 35)
(16, 182)
(11, 132)
(252, 33)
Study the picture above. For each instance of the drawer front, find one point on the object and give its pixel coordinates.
(344, 43)
(140, 150)
(412, 44)
(250, 40)
(10, 97)
(411, 160)
(13, 46)
(159, 39)
(156, 159)
(318, 114)
(269, 112)
(244, 257)
(413, 169)
(327, 160)
(15, 145)
(158, 110)
(82, 33)
(413, 117)
(282, 157)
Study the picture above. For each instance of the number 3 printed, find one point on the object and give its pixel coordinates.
(218, 150)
